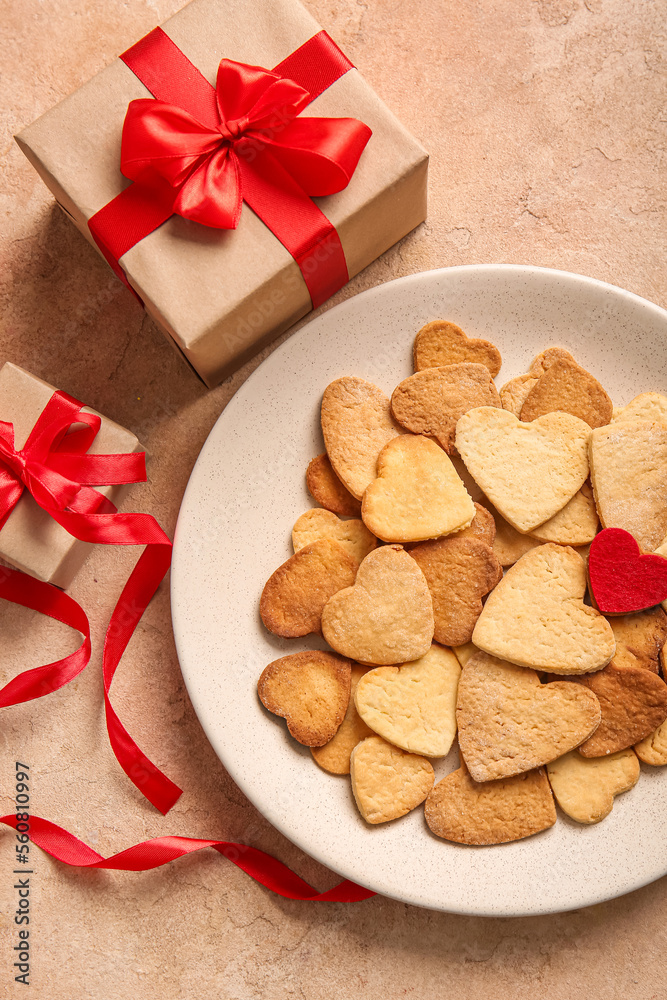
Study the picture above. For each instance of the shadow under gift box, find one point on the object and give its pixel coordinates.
(30, 539)
(220, 295)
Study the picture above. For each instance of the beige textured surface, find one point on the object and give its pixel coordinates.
(509, 722)
(544, 121)
(585, 789)
(536, 616)
(413, 705)
(417, 493)
(529, 471)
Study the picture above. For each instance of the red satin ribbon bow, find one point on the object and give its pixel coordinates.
(206, 163)
(55, 468)
(200, 151)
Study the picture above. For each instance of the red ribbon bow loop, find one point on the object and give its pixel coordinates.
(200, 151)
(56, 469)
(254, 116)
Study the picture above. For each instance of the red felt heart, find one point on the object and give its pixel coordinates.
(622, 579)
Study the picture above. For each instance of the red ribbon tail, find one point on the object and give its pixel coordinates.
(139, 589)
(27, 592)
(150, 854)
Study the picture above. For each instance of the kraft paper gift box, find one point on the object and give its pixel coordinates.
(220, 295)
(30, 539)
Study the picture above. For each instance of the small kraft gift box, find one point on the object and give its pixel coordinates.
(265, 173)
(30, 539)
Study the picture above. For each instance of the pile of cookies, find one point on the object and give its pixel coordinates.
(445, 566)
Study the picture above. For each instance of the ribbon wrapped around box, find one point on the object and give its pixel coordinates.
(50, 462)
(264, 173)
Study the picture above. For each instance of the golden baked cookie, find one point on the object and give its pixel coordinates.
(567, 387)
(576, 524)
(318, 523)
(653, 748)
(640, 638)
(327, 490)
(529, 471)
(536, 616)
(585, 789)
(417, 493)
(294, 596)
(334, 756)
(459, 572)
(508, 544)
(387, 616)
(356, 425)
(508, 722)
(431, 401)
(629, 475)
(443, 343)
(513, 394)
(310, 691)
(648, 406)
(413, 705)
(482, 526)
(490, 812)
(387, 782)
(633, 702)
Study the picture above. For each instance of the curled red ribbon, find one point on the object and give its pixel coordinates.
(266, 870)
(200, 151)
(55, 468)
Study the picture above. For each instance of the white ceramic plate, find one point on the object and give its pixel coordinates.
(245, 493)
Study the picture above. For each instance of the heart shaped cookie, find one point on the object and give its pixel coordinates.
(294, 596)
(482, 526)
(509, 544)
(536, 616)
(356, 425)
(310, 691)
(585, 789)
(623, 580)
(387, 782)
(629, 475)
(514, 393)
(413, 705)
(647, 406)
(334, 756)
(509, 722)
(653, 748)
(459, 573)
(576, 524)
(387, 616)
(417, 493)
(567, 387)
(639, 639)
(529, 471)
(431, 401)
(317, 523)
(443, 343)
(545, 359)
(327, 490)
(490, 812)
(633, 702)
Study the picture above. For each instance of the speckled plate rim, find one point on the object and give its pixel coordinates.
(529, 877)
